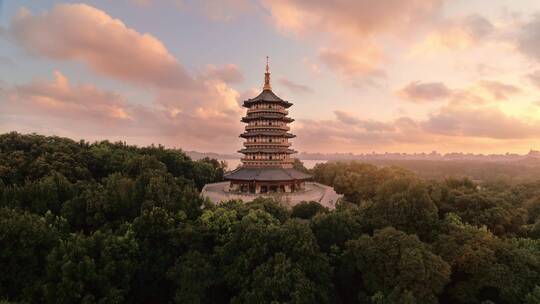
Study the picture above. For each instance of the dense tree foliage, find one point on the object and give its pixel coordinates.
(111, 223)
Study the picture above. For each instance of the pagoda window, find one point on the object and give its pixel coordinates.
(270, 140)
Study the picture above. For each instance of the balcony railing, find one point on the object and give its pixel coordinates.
(268, 127)
(268, 162)
(266, 115)
(282, 111)
(267, 144)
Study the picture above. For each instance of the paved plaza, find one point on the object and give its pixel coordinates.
(324, 195)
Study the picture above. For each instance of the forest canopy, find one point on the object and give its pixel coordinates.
(112, 223)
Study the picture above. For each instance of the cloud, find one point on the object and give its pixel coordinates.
(528, 38)
(350, 29)
(456, 34)
(347, 133)
(107, 46)
(195, 111)
(358, 17)
(417, 91)
(534, 78)
(356, 67)
(229, 73)
(59, 107)
(295, 87)
(368, 125)
(452, 127)
(499, 90)
(486, 122)
(61, 100)
(483, 91)
(347, 118)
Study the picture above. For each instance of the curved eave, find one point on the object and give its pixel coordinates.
(248, 103)
(283, 118)
(262, 133)
(266, 175)
(267, 96)
(267, 150)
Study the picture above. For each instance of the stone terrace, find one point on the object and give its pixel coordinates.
(324, 195)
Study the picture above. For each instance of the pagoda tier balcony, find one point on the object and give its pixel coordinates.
(275, 150)
(276, 133)
(269, 116)
(266, 162)
(262, 110)
(267, 144)
(268, 128)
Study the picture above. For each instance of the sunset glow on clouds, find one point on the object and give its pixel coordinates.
(396, 76)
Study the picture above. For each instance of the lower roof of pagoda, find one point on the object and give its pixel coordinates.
(266, 174)
(253, 133)
(267, 150)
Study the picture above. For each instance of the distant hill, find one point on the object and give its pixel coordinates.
(510, 168)
(533, 157)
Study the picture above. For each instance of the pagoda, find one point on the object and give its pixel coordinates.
(267, 165)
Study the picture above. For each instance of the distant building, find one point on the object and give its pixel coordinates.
(267, 165)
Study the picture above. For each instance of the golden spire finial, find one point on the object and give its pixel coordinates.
(267, 77)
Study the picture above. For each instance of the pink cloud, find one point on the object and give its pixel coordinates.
(355, 66)
(59, 107)
(456, 34)
(351, 30)
(499, 90)
(358, 17)
(107, 46)
(424, 92)
(528, 38)
(483, 91)
(229, 73)
(488, 122)
(59, 98)
(452, 127)
(534, 78)
(197, 111)
(295, 87)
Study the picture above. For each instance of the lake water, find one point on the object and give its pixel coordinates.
(232, 163)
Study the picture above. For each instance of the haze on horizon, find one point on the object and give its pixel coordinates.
(392, 75)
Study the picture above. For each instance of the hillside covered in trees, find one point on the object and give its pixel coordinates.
(111, 223)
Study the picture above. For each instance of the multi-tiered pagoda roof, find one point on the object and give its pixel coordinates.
(267, 148)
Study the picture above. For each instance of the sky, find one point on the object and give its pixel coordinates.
(364, 76)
